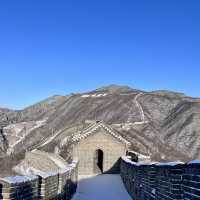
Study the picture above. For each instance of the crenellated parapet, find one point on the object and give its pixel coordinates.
(52, 185)
(161, 181)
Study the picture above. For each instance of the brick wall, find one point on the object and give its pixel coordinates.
(48, 185)
(112, 149)
(19, 187)
(68, 181)
(170, 181)
(52, 185)
(191, 182)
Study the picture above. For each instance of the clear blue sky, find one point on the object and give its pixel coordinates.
(52, 47)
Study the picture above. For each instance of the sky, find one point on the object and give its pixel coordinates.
(50, 47)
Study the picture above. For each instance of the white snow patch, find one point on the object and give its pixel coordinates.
(94, 95)
(153, 191)
(139, 123)
(85, 95)
(101, 187)
(127, 160)
(163, 156)
(18, 179)
(141, 157)
(170, 163)
(47, 174)
(194, 162)
(25, 169)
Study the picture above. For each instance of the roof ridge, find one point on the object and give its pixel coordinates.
(89, 127)
(85, 133)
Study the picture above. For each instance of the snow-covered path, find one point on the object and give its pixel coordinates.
(101, 187)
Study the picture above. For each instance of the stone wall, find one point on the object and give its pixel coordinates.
(43, 161)
(171, 181)
(19, 187)
(68, 181)
(52, 185)
(112, 149)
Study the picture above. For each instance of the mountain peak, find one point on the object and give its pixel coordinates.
(115, 88)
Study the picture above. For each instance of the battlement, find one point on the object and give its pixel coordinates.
(161, 181)
(52, 185)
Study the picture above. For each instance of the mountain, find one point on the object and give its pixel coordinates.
(161, 124)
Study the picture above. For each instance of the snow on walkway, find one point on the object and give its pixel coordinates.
(101, 187)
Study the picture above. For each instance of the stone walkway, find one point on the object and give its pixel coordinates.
(101, 187)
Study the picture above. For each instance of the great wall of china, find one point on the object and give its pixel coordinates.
(169, 181)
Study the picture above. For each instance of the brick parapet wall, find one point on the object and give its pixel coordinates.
(48, 185)
(52, 185)
(25, 187)
(68, 181)
(170, 181)
(191, 182)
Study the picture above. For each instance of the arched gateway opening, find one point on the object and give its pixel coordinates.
(98, 161)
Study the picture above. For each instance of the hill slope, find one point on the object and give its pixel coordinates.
(161, 124)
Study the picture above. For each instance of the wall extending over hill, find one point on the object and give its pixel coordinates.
(52, 185)
(171, 181)
(161, 124)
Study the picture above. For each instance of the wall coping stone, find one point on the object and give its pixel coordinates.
(47, 174)
(194, 162)
(18, 179)
(170, 164)
(23, 179)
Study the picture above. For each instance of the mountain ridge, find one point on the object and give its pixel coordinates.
(157, 123)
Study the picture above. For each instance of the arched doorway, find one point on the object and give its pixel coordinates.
(98, 161)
